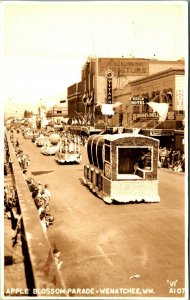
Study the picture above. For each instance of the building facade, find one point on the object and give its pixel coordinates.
(94, 89)
(113, 80)
(163, 87)
(57, 113)
(75, 104)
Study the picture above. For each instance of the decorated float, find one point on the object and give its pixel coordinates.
(28, 133)
(122, 167)
(69, 151)
(51, 146)
(41, 140)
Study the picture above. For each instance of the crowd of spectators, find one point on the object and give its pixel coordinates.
(40, 193)
(173, 159)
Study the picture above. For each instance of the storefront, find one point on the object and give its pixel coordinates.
(167, 137)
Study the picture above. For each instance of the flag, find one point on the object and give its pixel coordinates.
(116, 105)
(161, 108)
(108, 109)
(136, 130)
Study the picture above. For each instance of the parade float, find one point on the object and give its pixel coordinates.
(122, 167)
(41, 140)
(69, 151)
(51, 146)
(28, 134)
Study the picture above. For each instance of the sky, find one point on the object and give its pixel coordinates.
(46, 43)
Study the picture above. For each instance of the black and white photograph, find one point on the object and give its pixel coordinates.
(94, 127)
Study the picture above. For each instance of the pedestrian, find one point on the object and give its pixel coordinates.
(24, 173)
(39, 186)
(17, 143)
(46, 195)
(43, 220)
(162, 155)
(56, 255)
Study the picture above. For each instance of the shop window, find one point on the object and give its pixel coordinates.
(134, 161)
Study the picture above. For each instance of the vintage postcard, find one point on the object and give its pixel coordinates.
(94, 127)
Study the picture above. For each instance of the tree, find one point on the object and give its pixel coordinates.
(27, 114)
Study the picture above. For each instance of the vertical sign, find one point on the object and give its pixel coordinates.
(109, 76)
(179, 98)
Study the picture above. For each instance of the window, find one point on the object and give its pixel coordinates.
(134, 161)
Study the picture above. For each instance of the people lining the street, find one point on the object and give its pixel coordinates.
(172, 159)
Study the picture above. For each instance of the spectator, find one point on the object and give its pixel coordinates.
(178, 167)
(43, 220)
(24, 173)
(163, 153)
(46, 195)
(17, 143)
(39, 187)
(56, 255)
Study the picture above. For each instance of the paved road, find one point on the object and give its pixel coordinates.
(104, 245)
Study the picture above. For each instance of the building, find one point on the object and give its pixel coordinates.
(57, 113)
(112, 80)
(76, 107)
(94, 81)
(163, 87)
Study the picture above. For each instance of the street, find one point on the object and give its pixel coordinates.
(133, 250)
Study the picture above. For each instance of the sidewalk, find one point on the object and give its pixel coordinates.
(14, 268)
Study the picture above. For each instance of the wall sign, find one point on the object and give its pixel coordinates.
(124, 66)
(137, 100)
(109, 76)
(161, 133)
(146, 116)
(179, 99)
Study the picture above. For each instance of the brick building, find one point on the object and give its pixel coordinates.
(111, 80)
(93, 86)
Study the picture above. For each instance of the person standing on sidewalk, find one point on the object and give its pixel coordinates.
(46, 195)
